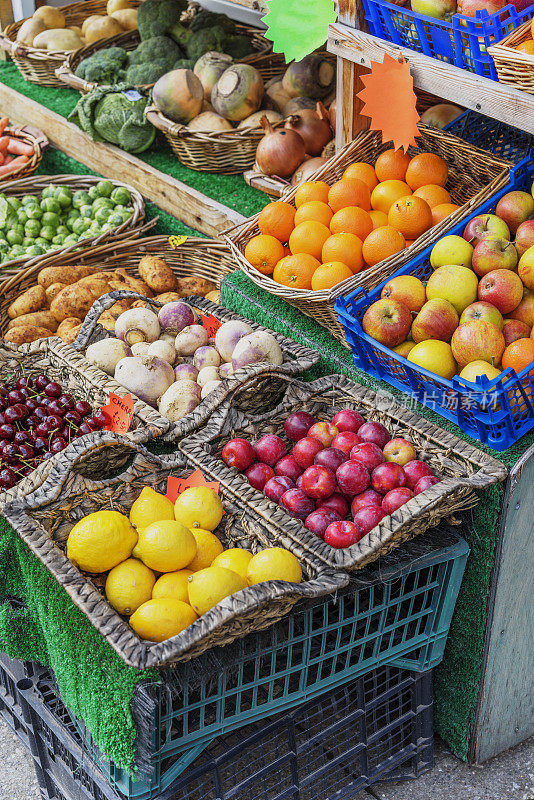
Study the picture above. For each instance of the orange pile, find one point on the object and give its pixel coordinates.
(362, 219)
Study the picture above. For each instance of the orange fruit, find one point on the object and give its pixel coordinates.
(378, 218)
(426, 168)
(264, 252)
(296, 271)
(411, 216)
(443, 210)
(518, 355)
(433, 194)
(330, 274)
(314, 209)
(385, 194)
(352, 219)
(309, 237)
(344, 247)
(277, 219)
(526, 47)
(312, 190)
(364, 172)
(349, 192)
(391, 165)
(382, 243)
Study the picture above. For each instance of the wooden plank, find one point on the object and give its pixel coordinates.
(348, 111)
(505, 714)
(186, 204)
(457, 85)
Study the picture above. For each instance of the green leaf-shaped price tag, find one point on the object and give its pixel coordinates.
(298, 27)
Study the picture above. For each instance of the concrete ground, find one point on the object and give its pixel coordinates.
(509, 776)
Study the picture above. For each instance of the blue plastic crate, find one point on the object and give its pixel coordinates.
(462, 42)
(497, 412)
(489, 134)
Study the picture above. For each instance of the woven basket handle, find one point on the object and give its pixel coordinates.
(70, 79)
(9, 46)
(90, 324)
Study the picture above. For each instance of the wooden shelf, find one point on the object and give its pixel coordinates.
(457, 85)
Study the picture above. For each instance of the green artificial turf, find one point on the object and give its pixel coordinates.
(230, 190)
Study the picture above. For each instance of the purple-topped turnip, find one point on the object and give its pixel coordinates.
(206, 357)
(176, 316)
(190, 339)
(228, 336)
(148, 377)
(255, 348)
(185, 372)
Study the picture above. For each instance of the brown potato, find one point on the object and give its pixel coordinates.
(39, 319)
(100, 276)
(53, 291)
(31, 300)
(134, 283)
(140, 304)
(168, 297)
(199, 286)
(66, 275)
(66, 328)
(155, 272)
(96, 287)
(108, 318)
(22, 334)
(70, 335)
(72, 301)
(214, 296)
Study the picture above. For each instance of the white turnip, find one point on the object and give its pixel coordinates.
(164, 350)
(180, 399)
(140, 349)
(137, 325)
(257, 347)
(206, 357)
(107, 353)
(209, 387)
(206, 375)
(228, 336)
(190, 339)
(225, 370)
(148, 377)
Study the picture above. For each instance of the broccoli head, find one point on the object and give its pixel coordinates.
(159, 48)
(180, 34)
(157, 17)
(184, 63)
(208, 19)
(238, 47)
(204, 41)
(142, 74)
(103, 66)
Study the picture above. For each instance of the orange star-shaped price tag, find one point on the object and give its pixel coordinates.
(175, 486)
(389, 100)
(119, 411)
(211, 323)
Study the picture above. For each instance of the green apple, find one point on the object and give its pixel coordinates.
(456, 284)
(451, 250)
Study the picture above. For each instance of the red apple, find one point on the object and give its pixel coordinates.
(305, 451)
(396, 498)
(438, 319)
(324, 432)
(387, 476)
(348, 420)
(525, 310)
(399, 451)
(407, 289)
(297, 425)
(374, 432)
(319, 520)
(387, 322)
(238, 453)
(524, 237)
(337, 502)
(502, 288)
(492, 254)
(331, 458)
(258, 475)
(369, 454)
(513, 329)
(352, 478)
(318, 482)
(482, 310)
(425, 483)
(470, 7)
(297, 504)
(367, 498)
(270, 449)
(414, 471)
(342, 534)
(345, 441)
(275, 487)
(299, 482)
(439, 9)
(485, 225)
(289, 467)
(475, 341)
(515, 208)
(368, 517)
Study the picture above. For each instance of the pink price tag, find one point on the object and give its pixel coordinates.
(119, 411)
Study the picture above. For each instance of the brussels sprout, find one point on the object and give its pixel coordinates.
(86, 211)
(47, 232)
(80, 198)
(48, 191)
(58, 240)
(104, 188)
(41, 242)
(62, 230)
(35, 250)
(34, 211)
(22, 216)
(14, 202)
(30, 199)
(16, 251)
(32, 228)
(102, 214)
(121, 195)
(14, 237)
(64, 197)
(78, 226)
(50, 204)
(115, 219)
(103, 202)
(28, 241)
(50, 218)
(4, 246)
(93, 192)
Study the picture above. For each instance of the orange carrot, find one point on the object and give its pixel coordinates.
(4, 141)
(13, 165)
(4, 122)
(1, 159)
(19, 148)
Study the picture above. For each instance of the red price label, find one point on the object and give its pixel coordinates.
(175, 486)
(119, 411)
(211, 323)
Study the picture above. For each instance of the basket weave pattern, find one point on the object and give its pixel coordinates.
(36, 139)
(45, 518)
(474, 175)
(513, 67)
(461, 467)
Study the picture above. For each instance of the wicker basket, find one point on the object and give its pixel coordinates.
(130, 40)
(37, 65)
(461, 467)
(513, 67)
(36, 139)
(44, 519)
(61, 363)
(35, 185)
(474, 175)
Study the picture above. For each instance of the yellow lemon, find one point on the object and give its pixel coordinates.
(235, 559)
(211, 585)
(165, 546)
(172, 584)
(150, 507)
(129, 585)
(208, 548)
(100, 541)
(274, 564)
(157, 620)
(199, 507)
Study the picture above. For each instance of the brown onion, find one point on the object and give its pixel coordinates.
(280, 151)
(306, 169)
(314, 128)
(332, 115)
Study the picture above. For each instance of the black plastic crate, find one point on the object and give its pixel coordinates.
(377, 727)
(11, 672)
